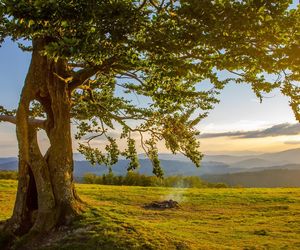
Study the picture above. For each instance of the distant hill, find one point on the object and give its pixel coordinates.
(170, 168)
(282, 157)
(288, 156)
(8, 159)
(283, 167)
(227, 159)
(265, 178)
(233, 170)
(253, 163)
(276, 158)
(10, 164)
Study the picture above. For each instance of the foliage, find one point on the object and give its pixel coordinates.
(8, 175)
(136, 179)
(172, 54)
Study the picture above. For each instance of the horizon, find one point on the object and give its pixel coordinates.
(80, 157)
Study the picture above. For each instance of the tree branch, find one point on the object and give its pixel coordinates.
(142, 5)
(8, 118)
(132, 76)
(33, 122)
(80, 76)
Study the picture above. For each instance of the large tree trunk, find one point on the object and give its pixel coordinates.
(46, 196)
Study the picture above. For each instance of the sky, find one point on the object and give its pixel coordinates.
(239, 124)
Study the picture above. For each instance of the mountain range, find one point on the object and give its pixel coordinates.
(279, 169)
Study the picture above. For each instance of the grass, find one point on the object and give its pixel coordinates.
(237, 218)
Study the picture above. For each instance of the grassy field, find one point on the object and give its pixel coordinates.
(207, 219)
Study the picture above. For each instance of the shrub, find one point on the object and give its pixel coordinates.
(8, 175)
(136, 179)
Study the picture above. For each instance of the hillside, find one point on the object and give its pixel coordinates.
(264, 178)
(206, 219)
(278, 158)
(9, 163)
(292, 156)
(171, 167)
(253, 163)
(259, 170)
(7, 160)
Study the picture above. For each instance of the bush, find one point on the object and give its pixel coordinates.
(8, 175)
(136, 179)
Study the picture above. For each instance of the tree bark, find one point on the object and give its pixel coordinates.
(46, 196)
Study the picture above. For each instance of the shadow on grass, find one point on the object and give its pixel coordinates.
(97, 229)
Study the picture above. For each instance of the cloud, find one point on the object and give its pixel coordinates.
(276, 130)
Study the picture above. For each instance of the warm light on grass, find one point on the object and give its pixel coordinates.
(236, 218)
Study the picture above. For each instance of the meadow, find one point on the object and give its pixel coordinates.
(208, 218)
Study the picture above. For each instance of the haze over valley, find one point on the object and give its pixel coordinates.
(279, 169)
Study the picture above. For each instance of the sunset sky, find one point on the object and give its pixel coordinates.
(245, 124)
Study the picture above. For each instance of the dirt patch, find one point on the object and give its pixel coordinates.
(161, 205)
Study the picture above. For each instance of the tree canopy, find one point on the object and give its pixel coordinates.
(171, 53)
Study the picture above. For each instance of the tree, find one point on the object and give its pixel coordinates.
(85, 52)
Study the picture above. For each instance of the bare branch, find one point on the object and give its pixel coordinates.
(143, 145)
(154, 5)
(77, 65)
(8, 118)
(142, 4)
(33, 122)
(94, 137)
(235, 73)
(162, 4)
(132, 76)
(81, 76)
